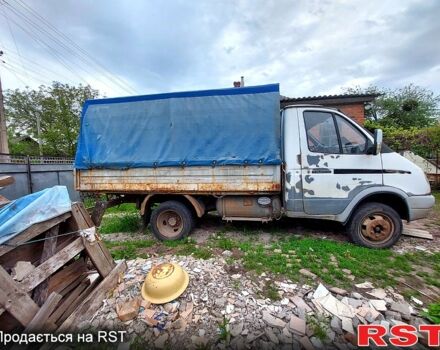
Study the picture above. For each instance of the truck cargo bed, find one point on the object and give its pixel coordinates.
(232, 179)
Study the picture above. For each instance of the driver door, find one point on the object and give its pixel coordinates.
(335, 162)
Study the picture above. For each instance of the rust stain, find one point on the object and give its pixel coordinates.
(162, 271)
(246, 180)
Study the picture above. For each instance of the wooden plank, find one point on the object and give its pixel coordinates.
(67, 275)
(107, 254)
(413, 232)
(32, 232)
(32, 252)
(8, 323)
(85, 214)
(6, 180)
(15, 299)
(78, 215)
(50, 244)
(98, 258)
(3, 201)
(78, 300)
(67, 289)
(68, 300)
(51, 265)
(94, 300)
(40, 319)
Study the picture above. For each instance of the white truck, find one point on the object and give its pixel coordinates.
(181, 155)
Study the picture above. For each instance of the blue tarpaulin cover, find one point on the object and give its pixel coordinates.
(37, 207)
(211, 127)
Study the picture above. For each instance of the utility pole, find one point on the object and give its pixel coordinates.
(4, 147)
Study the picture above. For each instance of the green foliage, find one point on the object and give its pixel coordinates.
(408, 107)
(422, 141)
(433, 313)
(56, 107)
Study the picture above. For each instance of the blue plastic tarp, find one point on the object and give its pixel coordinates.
(37, 207)
(212, 127)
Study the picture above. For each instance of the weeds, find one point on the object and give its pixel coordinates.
(224, 331)
(319, 326)
(271, 292)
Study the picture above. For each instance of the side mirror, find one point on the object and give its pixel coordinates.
(378, 137)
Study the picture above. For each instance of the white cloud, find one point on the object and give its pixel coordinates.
(310, 47)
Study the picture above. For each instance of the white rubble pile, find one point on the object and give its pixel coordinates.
(225, 308)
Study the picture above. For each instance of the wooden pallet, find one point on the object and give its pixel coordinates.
(71, 274)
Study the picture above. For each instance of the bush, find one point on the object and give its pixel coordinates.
(422, 141)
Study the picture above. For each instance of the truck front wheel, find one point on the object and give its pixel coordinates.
(171, 220)
(375, 225)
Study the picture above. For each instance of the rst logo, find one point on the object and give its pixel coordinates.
(400, 335)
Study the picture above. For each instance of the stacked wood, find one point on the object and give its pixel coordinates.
(71, 272)
(5, 181)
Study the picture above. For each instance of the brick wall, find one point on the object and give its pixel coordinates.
(354, 111)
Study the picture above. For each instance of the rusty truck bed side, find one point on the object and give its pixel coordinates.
(231, 179)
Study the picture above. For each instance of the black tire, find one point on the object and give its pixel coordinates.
(375, 225)
(171, 221)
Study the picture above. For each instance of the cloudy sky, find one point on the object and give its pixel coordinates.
(310, 47)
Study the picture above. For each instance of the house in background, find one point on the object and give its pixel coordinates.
(352, 105)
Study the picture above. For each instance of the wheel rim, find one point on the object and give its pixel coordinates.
(169, 223)
(377, 227)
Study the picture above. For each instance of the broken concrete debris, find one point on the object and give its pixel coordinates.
(128, 310)
(213, 313)
(21, 270)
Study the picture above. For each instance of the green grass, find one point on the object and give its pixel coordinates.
(433, 313)
(224, 333)
(128, 249)
(123, 208)
(287, 256)
(379, 266)
(188, 246)
(319, 326)
(270, 291)
(133, 248)
(130, 222)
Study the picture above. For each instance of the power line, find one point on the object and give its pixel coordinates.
(36, 65)
(13, 38)
(15, 74)
(17, 70)
(36, 35)
(54, 52)
(73, 43)
(82, 55)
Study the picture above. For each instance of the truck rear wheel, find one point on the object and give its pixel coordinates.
(375, 225)
(171, 220)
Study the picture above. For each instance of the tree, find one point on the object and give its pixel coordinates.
(54, 110)
(410, 106)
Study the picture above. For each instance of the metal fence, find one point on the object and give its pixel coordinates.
(34, 173)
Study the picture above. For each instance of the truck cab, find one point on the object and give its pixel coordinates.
(336, 170)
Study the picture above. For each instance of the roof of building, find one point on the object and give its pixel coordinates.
(331, 99)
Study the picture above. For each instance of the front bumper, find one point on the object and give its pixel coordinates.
(419, 206)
